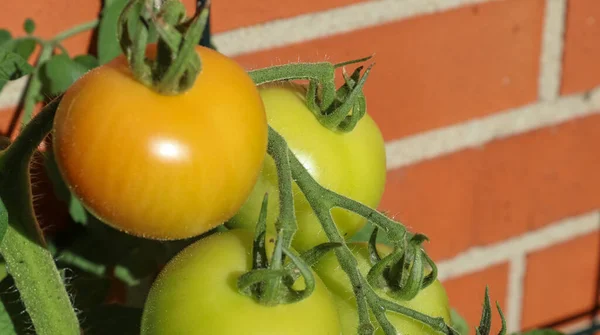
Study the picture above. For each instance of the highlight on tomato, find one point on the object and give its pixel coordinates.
(352, 164)
(196, 293)
(162, 166)
(431, 301)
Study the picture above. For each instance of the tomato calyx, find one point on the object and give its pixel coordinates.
(336, 109)
(271, 283)
(176, 64)
(401, 274)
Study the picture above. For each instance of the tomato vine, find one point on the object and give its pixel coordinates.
(172, 70)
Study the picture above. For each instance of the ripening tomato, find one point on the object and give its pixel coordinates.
(158, 166)
(431, 301)
(352, 164)
(196, 293)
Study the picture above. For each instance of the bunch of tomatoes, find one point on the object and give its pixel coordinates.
(175, 141)
(201, 161)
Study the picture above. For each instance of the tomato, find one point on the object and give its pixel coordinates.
(431, 301)
(196, 293)
(352, 164)
(157, 166)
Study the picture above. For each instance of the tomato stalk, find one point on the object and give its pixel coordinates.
(174, 68)
(285, 225)
(336, 109)
(321, 201)
(23, 247)
(35, 84)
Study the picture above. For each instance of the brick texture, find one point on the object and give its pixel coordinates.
(466, 294)
(501, 190)
(561, 280)
(581, 69)
(438, 69)
(231, 14)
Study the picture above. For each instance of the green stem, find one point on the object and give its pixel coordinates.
(74, 31)
(323, 73)
(346, 259)
(35, 84)
(285, 225)
(321, 201)
(24, 249)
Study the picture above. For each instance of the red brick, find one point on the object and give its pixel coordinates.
(577, 325)
(466, 294)
(561, 281)
(438, 69)
(508, 187)
(232, 14)
(581, 70)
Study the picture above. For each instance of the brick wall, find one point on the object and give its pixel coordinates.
(490, 110)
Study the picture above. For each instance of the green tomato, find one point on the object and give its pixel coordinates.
(196, 293)
(431, 301)
(352, 164)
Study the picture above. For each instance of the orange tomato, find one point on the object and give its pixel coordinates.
(157, 166)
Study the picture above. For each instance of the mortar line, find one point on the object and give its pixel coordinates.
(329, 22)
(514, 298)
(480, 258)
(476, 133)
(552, 50)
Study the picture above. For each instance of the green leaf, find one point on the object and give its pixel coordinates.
(459, 323)
(12, 66)
(88, 61)
(108, 43)
(485, 324)
(59, 73)
(29, 26)
(5, 36)
(23, 47)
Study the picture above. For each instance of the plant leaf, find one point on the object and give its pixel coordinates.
(485, 325)
(459, 323)
(23, 47)
(12, 66)
(59, 73)
(88, 61)
(108, 43)
(5, 36)
(29, 26)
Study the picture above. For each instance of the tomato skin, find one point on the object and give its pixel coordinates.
(196, 293)
(432, 300)
(157, 166)
(352, 164)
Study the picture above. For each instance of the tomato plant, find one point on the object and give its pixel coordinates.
(162, 166)
(196, 293)
(168, 140)
(431, 301)
(349, 163)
